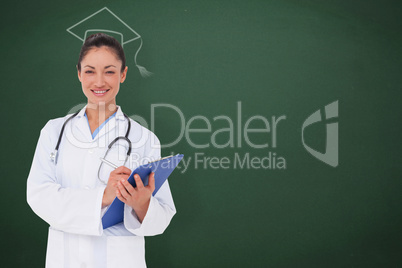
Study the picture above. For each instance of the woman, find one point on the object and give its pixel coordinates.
(72, 189)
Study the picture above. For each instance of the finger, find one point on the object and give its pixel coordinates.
(122, 170)
(129, 188)
(151, 182)
(118, 177)
(123, 190)
(118, 195)
(118, 170)
(138, 182)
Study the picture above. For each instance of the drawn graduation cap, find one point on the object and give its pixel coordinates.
(107, 22)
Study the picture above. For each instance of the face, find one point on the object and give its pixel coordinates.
(100, 76)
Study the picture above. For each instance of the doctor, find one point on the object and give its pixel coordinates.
(73, 189)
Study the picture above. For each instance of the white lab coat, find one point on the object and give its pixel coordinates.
(68, 195)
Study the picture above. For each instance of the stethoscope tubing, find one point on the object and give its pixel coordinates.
(53, 155)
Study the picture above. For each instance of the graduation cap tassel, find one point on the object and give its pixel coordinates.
(99, 16)
(143, 71)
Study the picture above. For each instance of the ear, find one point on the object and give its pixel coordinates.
(79, 74)
(123, 75)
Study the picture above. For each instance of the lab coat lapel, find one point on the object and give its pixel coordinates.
(78, 131)
(113, 128)
(106, 133)
(82, 127)
(121, 123)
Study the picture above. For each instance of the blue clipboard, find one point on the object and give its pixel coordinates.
(162, 168)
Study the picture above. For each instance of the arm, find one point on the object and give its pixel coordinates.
(66, 209)
(144, 214)
(158, 215)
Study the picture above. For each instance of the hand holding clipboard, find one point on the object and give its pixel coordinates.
(162, 169)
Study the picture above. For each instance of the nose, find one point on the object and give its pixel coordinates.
(100, 81)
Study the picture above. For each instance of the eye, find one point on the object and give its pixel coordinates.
(110, 72)
(89, 72)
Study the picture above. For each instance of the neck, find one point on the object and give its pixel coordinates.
(98, 113)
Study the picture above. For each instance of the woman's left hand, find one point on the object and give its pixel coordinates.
(139, 197)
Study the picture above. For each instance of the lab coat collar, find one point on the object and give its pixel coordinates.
(82, 124)
(116, 121)
(82, 112)
(119, 113)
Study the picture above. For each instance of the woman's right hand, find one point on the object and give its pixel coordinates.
(110, 191)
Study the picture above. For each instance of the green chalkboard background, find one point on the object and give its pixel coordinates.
(273, 58)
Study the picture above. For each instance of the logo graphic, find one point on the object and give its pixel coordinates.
(330, 156)
(107, 22)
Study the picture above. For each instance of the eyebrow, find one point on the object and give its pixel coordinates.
(94, 67)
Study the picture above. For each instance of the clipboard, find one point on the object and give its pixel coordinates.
(162, 168)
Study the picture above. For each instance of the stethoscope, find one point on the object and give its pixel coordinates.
(53, 155)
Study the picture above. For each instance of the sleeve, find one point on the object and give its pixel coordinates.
(161, 206)
(65, 209)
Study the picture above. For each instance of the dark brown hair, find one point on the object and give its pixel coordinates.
(100, 40)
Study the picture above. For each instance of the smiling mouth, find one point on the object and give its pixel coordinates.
(99, 91)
